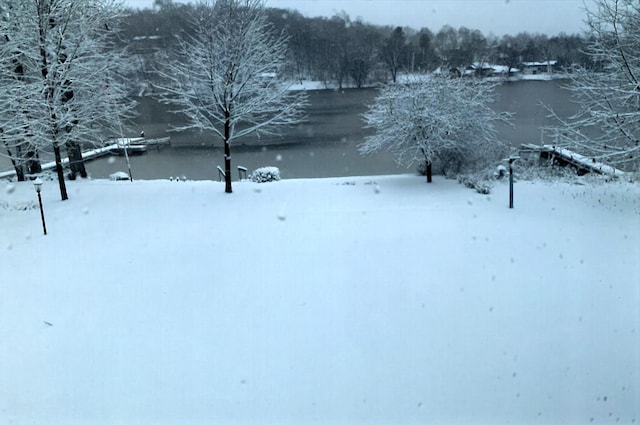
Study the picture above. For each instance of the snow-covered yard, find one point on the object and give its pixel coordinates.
(370, 300)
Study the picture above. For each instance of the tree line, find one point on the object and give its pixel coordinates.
(345, 51)
(68, 67)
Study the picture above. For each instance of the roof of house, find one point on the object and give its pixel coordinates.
(544, 63)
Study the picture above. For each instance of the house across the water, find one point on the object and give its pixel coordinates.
(533, 68)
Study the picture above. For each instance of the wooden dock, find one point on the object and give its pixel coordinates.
(564, 156)
(133, 145)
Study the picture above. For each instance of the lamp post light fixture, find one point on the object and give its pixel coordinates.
(37, 183)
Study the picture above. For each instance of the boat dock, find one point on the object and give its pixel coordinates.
(564, 156)
(132, 145)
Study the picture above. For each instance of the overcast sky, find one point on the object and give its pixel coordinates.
(496, 16)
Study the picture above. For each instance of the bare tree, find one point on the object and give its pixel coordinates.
(64, 80)
(394, 52)
(512, 50)
(15, 135)
(424, 57)
(228, 79)
(607, 126)
(338, 56)
(472, 46)
(364, 42)
(445, 44)
(437, 118)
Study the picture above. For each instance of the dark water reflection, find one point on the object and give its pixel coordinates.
(324, 146)
(524, 99)
(293, 160)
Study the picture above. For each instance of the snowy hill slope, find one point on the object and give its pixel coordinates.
(352, 300)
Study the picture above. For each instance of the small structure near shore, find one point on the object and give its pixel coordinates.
(133, 145)
(564, 157)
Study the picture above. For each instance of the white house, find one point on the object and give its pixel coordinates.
(532, 68)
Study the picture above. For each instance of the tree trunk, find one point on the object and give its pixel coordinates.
(227, 167)
(17, 164)
(19, 170)
(76, 163)
(428, 165)
(33, 163)
(227, 153)
(60, 172)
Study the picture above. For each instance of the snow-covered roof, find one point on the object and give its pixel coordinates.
(544, 63)
(481, 65)
(503, 69)
(146, 37)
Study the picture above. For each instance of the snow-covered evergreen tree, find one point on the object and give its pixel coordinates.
(226, 76)
(607, 125)
(64, 80)
(436, 118)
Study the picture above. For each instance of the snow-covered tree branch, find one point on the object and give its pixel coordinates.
(607, 126)
(436, 119)
(64, 80)
(228, 76)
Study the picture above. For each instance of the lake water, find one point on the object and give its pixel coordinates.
(324, 146)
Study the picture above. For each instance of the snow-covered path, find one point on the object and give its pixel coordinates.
(349, 300)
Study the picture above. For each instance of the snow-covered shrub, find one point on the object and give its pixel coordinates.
(500, 172)
(544, 170)
(265, 174)
(479, 183)
(483, 188)
(119, 176)
(18, 205)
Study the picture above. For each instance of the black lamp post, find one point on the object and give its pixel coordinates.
(37, 183)
(511, 160)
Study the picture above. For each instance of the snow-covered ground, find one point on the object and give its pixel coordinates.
(413, 77)
(370, 300)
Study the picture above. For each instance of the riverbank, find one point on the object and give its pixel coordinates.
(404, 77)
(349, 300)
(325, 145)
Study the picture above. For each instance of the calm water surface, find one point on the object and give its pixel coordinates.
(324, 146)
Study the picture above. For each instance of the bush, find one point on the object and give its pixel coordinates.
(265, 174)
(477, 182)
(18, 205)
